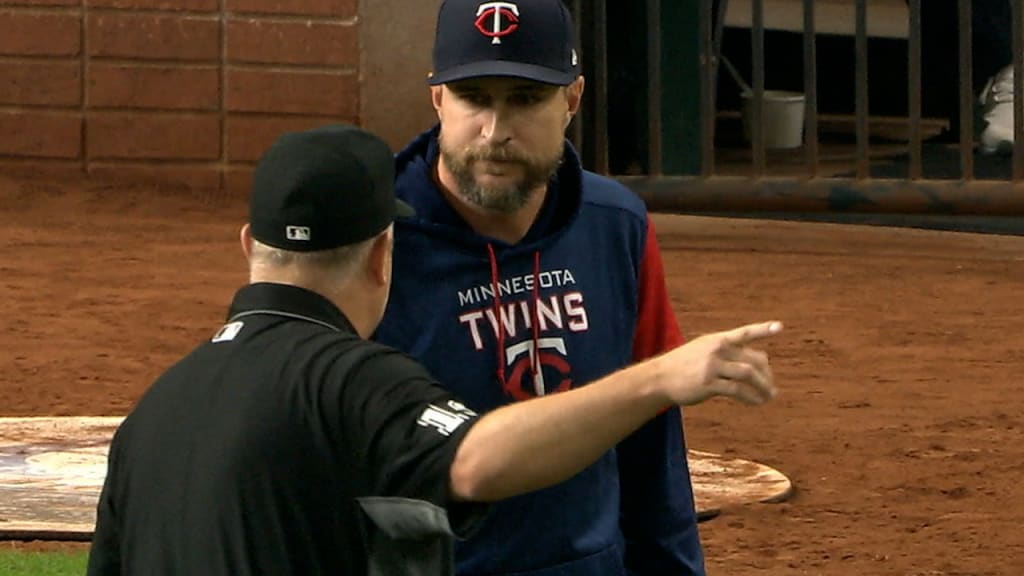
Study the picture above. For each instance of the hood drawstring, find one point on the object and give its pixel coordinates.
(495, 285)
(535, 316)
(499, 317)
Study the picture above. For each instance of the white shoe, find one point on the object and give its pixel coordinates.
(997, 111)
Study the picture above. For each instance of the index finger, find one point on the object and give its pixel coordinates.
(751, 332)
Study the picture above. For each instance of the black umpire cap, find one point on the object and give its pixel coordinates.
(323, 188)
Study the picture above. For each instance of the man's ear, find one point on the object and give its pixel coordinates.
(574, 95)
(245, 237)
(436, 97)
(378, 264)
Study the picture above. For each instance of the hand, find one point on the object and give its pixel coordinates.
(721, 364)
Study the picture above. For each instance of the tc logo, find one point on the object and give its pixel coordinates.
(497, 19)
(516, 385)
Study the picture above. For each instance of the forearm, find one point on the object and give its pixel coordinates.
(530, 445)
(534, 444)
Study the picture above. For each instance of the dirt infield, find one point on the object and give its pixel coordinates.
(899, 420)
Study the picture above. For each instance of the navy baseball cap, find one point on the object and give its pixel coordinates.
(532, 39)
(323, 188)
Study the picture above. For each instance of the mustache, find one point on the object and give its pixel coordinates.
(496, 154)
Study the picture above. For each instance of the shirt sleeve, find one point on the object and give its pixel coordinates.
(406, 429)
(104, 554)
(658, 517)
(656, 328)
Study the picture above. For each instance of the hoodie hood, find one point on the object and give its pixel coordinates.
(416, 185)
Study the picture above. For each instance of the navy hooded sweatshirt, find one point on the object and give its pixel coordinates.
(582, 295)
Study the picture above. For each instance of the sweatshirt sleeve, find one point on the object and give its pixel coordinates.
(658, 518)
(656, 328)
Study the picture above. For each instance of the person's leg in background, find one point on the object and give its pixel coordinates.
(993, 68)
(992, 37)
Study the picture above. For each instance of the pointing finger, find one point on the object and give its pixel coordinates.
(751, 332)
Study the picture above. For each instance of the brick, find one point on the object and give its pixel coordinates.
(183, 5)
(28, 34)
(331, 8)
(312, 93)
(238, 181)
(192, 177)
(166, 87)
(39, 169)
(249, 136)
(146, 36)
(75, 3)
(41, 134)
(322, 43)
(151, 136)
(41, 83)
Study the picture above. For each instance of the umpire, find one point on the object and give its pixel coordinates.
(289, 444)
(269, 448)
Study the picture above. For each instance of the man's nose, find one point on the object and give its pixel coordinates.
(497, 126)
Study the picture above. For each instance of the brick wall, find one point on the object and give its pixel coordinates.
(178, 91)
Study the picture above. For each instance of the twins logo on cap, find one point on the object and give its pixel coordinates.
(497, 19)
(528, 39)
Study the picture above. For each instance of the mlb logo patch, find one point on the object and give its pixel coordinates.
(297, 233)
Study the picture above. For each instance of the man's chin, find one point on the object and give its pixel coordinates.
(497, 167)
(500, 181)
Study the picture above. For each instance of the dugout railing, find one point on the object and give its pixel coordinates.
(704, 187)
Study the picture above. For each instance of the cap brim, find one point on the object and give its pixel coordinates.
(503, 68)
(403, 210)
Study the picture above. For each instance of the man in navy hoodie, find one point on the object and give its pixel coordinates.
(524, 275)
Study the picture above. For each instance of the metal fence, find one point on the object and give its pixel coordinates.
(759, 190)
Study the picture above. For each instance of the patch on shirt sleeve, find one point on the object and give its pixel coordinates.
(228, 332)
(445, 419)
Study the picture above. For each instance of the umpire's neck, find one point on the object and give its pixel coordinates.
(357, 281)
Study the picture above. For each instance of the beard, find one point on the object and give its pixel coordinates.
(536, 172)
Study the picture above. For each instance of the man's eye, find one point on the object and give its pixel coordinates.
(525, 99)
(475, 98)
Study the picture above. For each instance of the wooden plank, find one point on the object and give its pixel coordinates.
(52, 471)
(720, 483)
(886, 18)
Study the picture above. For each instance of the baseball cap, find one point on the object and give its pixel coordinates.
(532, 39)
(323, 188)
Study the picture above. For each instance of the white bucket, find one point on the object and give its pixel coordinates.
(783, 114)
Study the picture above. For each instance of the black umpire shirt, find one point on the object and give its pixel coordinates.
(284, 445)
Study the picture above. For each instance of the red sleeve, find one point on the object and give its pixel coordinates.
(656, 326)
